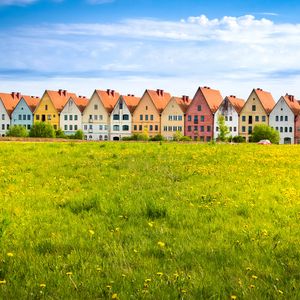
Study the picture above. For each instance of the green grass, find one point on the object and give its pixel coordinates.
(149, 221)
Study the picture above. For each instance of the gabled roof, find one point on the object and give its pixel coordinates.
(109, 99)
(183, 102)
(212, 97)
(131, 102)
(160, 99)
(237, 103)
(10, 101)
(266, 99)
(293, 104)
(32, 102)
(81, 102)
(60, 98)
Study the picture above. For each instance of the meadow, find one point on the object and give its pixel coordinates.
(149, 221)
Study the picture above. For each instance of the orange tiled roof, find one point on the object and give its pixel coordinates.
(266, 99)
(81, 102)
(160, 98)
(31, 101)
(109, 99)
(237, 103)
(131, 102)
(212, 97)
(183, 102)
(59, 98)
(10, 101)
(293, 104)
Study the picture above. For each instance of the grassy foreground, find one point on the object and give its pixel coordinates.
(149, 221)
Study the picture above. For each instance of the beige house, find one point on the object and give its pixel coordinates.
(255, 111)
(172, 117)
(146, 117)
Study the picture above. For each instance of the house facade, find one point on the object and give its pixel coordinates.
(230, 109)
(147, 115)
(199, 120)
(255, 111)
(96, 115)
(51, 104)
(23, 112)
(283, 118)
(172, 117)
(121, 117)
(8, 102)
(71, 115)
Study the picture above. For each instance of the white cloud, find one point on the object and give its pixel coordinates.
(16, 2)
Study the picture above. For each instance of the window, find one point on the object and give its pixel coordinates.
(276, 118)
(28, 127)
(201, 138)
(291, 129)
(250, 129)
(230, 118)
(91, 127)
(75, 127)
(263, 118)
(151, 117)
(48, 117)
(141, 117)
(170, 128)
(286, 118)
(75, 117)
(66, 117)
(3, 127)
(189, 128)
(179, 128)
(195, 128)
(100, 127)
(250, 119)
(3, 116)
(140, 127)
(151, 127)
(24, 117)
(199, 108)
(146, 117)
(234, 128)
(170, 118)
(195, 119)
(95, 117)
(71, 118)
(175, 118)
(165, 128)
(179, 118)
(116, 127)
(146, 107)
(189, 118)
(20, 117)
(281, 129)
(55, 127)
(90, 117)
(285, 129)
(85, 127)
(125, 128)
(156, 127)
(208, 128)
(217, 129)
(230, 129)
(253, 107)
(208, 138)
(202, 118)
(276, 128)
(243, 128)
(135, 127)
(281, 118)
(256, 118)
(28, 117)
(71, 127)
(202, 128)
(95, 106)
(126, 117)
(243, 118)
(100, 117)
(46, 107)
(174, 128)
(120, 105)
(105, 137)
(116, 117)
(226, 118)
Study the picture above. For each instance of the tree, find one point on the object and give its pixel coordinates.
(265, 132)
(223, 129)
(79, 135)
(42, 129)
(17, 131)
(177, 136)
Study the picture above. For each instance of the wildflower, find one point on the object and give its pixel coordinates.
(148, 280)
(123, 275)
(254, 277)
(252, 286)
(98, 269)
(114, 296)
(183, 291)
(160, 273)
(3, 281)
(10, 254)
(151, 224)
(92, 232)
(117, 229)
(135, 251)
(248, 269)
(161, 244)
(69, 273)
(280, 292)
(108, 287)
(42, 285)
(233, 297)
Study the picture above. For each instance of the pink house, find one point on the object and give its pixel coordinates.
(199, 121)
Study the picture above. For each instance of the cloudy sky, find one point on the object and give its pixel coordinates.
(130, 45)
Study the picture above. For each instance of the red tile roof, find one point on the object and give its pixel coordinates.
(60, 98)
(109, 99)
(131, 102)
(212, 97)
(81, 102)
(237, 103)
(10, 101)
(266, 99)
(160, 98)
(183, 102)
(32, 102)
(293, 104)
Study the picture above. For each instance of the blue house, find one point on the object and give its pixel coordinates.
(23, 112)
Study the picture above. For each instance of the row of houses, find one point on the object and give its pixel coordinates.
(107, 115)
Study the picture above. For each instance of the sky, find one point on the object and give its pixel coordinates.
(131, 45)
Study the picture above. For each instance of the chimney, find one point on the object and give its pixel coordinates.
(108, 91)
(60, 91)
(18, 95)
(65, 93)
(113, 93)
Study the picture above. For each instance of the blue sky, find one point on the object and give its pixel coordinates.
(130, 45)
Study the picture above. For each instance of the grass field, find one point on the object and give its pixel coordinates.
(149, 221)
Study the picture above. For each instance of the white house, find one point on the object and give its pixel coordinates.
(283, 116)
(121, 117)
(96, 115)
(8, 102)
(230, 108)
(71, 115)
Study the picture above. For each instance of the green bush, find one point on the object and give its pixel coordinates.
(185, 138)
(157, 138)
(265, 132)
(60, 134)
(177, 136)
(42, 129)
(79, 135)
(238, 139)
(17, 131)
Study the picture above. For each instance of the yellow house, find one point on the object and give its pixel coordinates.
(146, 116)
(50, 106)
(255, 111)
(172, 117)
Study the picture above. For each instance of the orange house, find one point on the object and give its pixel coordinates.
(146, 117)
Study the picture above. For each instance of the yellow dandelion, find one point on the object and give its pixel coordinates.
(248, 269)
(148, 280)
(92, 232)
(160, 273)
(252, 286)
(254, 277)
(280, 292)
(98, 269)
(114, 296)
(123, 275)
(150, 224)
(117, 229)
(161, 244)
(3, 281)
(69, 273)
(183, 291)
(42, 285)
(233, 297)
(135, 251)
(10, 254)
(108, 287)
